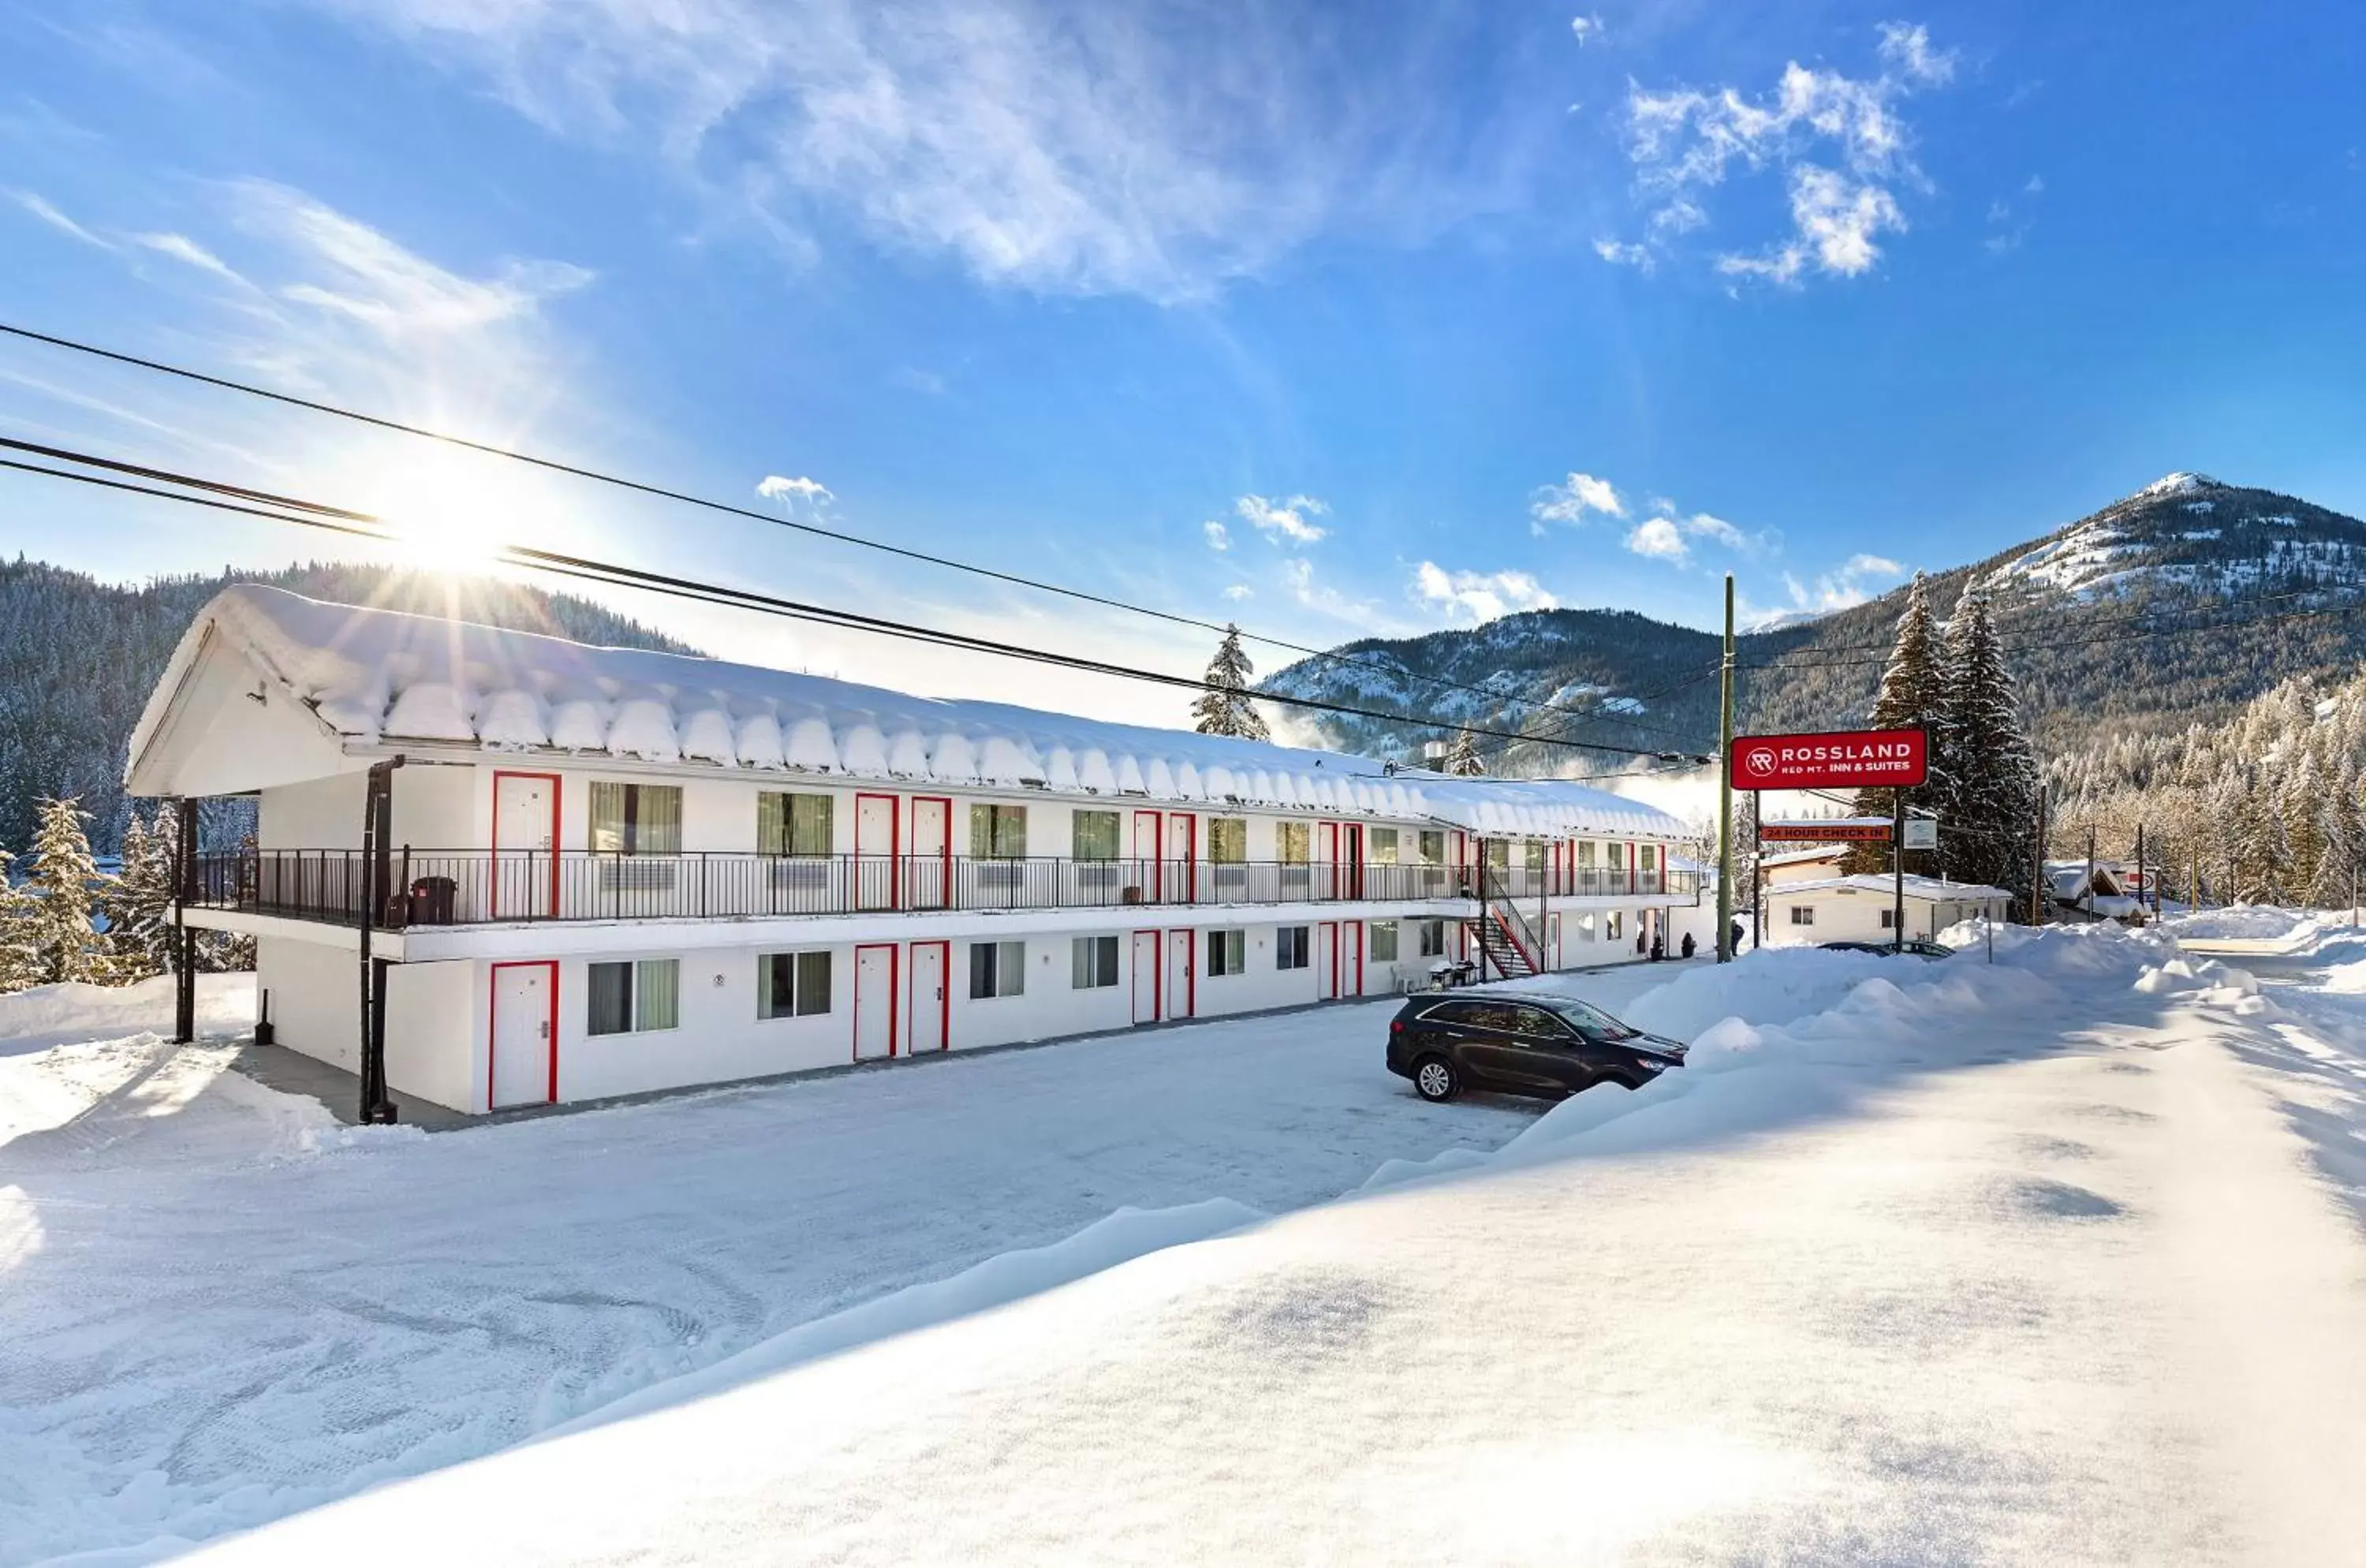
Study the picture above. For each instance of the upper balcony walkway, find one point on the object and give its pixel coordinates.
(488, 888)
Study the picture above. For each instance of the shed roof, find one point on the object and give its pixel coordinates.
(379, 677)
(1928, 890)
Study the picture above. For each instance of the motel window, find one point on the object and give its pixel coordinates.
(635, 818)
(997, 833)
(1227, 953)
(791, 824)
(1585, 852)
(1536, 857)
(1804, 914)
(996, 969)
(1499, 853)
(791, 985)
(1228, 839)
(1094, 964)
(1293, 842)
(1289, 947)
(1095, 836)
(1614, 925)
(1384, 941)
(631, 999)
(1650, 853)
(1433, 847)
(1433, 938)
(1614, 855)
(1381, 845)
(1585, 931)
(1889, 919)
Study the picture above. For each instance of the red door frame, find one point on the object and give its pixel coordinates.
(895, 984)
(895, 845)
(1191, 971)
(1157, 974)
(944, 1003)
(1156, 891)
(1354, 838)
(1331, 855)
(1356, 929)
(1332, 968)
(558, 793)
(947, 802)
(1190, 855)
(493, 1016)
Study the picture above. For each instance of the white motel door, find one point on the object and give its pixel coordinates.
(925, 880)
(1180, 948)
(1145, 976)
(526, 809)
(927, 997)
(1149, 872)
(1327, 960)
(875, 1002)
(521, 1046)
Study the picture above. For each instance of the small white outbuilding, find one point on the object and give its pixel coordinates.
(1861, 908)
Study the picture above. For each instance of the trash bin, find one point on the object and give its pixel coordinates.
(431, 898)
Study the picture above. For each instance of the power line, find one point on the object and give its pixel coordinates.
(315, 514)
(662, 492)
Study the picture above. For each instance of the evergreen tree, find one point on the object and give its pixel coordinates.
(2262, 857)
(2337, 864)
(1985, 770)
(1464, 761)
(1224, 709)
(2300, 804)
(1912, 698)
(67, 884)
(20, 964)
(140, 905)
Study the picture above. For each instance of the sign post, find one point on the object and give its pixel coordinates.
(1895, 759)
(1725, 953)
(1898, 871)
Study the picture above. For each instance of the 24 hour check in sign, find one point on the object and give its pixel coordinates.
(1849, 759)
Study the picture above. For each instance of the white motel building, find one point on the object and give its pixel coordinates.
(598, 872)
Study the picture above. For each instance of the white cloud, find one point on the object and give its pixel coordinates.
(1219, 536)
(1660, 538)
(1292, 518)
(2036, 184)
(1621, 254)
(181, 248)
(43, 208)
(1481, 596)
(773, 487)
(1078, 148)
(1240, 590)
(1570, 500)
(1585, 28)
(1837, 141)
(1851, 582)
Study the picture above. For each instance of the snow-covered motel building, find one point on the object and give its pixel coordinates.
(598, 872)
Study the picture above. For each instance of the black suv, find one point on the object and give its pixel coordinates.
(1521, 1043)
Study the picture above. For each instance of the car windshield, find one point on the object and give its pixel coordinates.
(1590, 1019)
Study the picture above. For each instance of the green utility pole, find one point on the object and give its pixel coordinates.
(1725, 790)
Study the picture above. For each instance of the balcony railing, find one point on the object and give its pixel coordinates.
(479, 886)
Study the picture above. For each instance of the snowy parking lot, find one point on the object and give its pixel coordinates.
(2061, 1259)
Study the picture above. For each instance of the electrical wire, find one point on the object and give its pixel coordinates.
(814, 529)
(239, 499)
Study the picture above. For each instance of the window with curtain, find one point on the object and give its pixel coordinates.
(1228, 839)
(1536, 861)
(997, 833)
(1289, 948)
(1433, 939)
(1096, 835)
(1614, 855)
(1585, 851)
(1433, 847)
(1293, 842)
(1227, 953)
(635, 818)
(1614, 925)
(996, 969)
(633, 998)
(1384, 941)
(1093, 963)
(1499, 853)
(1650, 853)
(791, 985)
(1381, 845)
(793, 824)
(1805, 914)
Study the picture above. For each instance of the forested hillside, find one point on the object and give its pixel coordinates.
(78, 659)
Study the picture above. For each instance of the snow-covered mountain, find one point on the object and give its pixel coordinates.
(2177, 602)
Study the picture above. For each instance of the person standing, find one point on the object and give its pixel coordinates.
(1688, 947)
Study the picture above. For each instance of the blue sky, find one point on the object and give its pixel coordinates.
(1333, 319)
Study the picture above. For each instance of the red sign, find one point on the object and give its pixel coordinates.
(1848, 759)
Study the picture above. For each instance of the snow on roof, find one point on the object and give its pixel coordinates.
(1799, 857)
(377, 677)
(1928, 887)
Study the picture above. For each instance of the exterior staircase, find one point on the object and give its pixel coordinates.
(1508, 942)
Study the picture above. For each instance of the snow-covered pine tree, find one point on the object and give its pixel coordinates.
(2336, 863)
(2300, 802)
(1987, 772)
(20, 962)
(2262, 858)
(1224, 709)
(67, 886)
(1911, 698)
(140, 905)
(1464, 761)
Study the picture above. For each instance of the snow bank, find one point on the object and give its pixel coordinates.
(2258, 922)
(45, 1015)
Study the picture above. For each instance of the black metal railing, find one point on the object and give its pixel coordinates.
(479, 886)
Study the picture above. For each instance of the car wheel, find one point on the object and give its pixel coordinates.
(1435, 1080)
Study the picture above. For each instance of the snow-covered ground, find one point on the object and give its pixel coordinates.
(2052, 1260)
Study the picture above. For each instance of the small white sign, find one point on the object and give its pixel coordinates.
(1921, 833)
